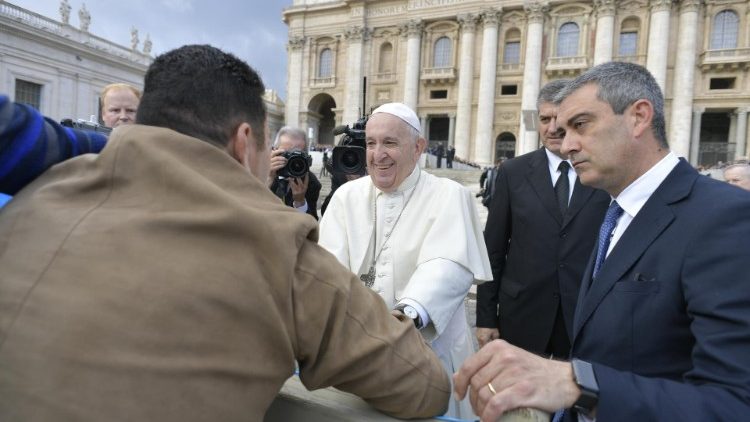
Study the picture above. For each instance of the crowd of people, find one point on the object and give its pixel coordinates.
(180, 274)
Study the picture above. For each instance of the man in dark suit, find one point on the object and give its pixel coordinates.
(300, 193)
(538, 243)
(661, 330)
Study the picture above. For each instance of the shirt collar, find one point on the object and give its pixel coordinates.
(553, 161)
(406, 185)
(634, 197)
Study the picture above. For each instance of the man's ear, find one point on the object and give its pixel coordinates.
(239, 143)
(642, 113)
(421, 145)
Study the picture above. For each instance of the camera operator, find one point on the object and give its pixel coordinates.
(299, 192)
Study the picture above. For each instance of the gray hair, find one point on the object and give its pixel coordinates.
(745, 167)
(620, 85)
(292, 132)
(550, 90)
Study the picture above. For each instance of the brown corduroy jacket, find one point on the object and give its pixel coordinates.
(160, 281)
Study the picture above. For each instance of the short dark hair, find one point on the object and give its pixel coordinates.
(201, 91)
(620, 84)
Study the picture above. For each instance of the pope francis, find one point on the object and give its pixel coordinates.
(413, 237)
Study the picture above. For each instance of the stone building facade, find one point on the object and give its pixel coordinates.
(61, 69)
(472, 69)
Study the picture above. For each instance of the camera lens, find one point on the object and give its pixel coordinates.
(350, 161)
(297, 166)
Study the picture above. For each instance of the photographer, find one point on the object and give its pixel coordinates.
(298, 192)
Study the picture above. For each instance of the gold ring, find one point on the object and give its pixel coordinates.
(489, 385)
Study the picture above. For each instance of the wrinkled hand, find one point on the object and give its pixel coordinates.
(277, 163)
(520, 378)
(299, 188)
(486, 335)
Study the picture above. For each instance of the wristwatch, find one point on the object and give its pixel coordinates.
(584, 377)
(412, 313)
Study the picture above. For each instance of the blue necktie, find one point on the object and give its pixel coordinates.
(605, 233)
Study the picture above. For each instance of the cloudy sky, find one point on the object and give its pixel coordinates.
(250, 29)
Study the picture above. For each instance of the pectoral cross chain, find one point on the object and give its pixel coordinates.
(368, 278)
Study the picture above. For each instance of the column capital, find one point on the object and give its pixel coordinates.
(535, 10)
(741, 110)
(468, 21)
(492, 16)
(660, 5)
(690, 5)
(296, 42)
(605, 7)
(412, 28)
(699, 110)
(356, 33)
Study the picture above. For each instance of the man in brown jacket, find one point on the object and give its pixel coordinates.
(161, 280)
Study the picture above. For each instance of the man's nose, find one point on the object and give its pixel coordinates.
(569, 144)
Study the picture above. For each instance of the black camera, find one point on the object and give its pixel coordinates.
(349, 156)
(297, 164)
(86, 125)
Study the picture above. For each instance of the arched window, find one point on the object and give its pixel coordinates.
(512, 50)
(385, 65)
(325, 66)
(629, 37)
(567, 40)
(442, 54)
(724, 31)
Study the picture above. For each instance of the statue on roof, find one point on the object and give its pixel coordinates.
(65, 11)
(84, 17)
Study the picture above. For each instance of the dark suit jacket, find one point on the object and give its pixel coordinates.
(537, 254)
(667, 320)
(311, 196)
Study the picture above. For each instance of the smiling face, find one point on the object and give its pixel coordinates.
(597, 141)
(392, 151)
(549, 131)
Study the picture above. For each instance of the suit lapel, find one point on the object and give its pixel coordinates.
(540, 181)
(581, 195)
(655, 216)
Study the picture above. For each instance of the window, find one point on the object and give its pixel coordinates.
(567, 40)
(509, 90)
(512, 52)
(28, 93)
(721, 83)
(724, 31)
(325, 67)
(442, 53)
(439, 94)
(385, 65)
(628, 44)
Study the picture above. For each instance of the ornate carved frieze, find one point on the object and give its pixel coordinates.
(661, 5)
(492, 16)
(356, 33)
(412, 28)
(605, 7)
(535, 11)
(690, 5)
(296, 42)
(468, 21)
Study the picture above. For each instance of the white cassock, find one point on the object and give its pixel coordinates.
(432, 253)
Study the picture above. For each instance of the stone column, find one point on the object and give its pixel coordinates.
(532, 73)
(353, 99)
(465, 85)
(605, 28)
(658, 40)
(695, 135)
(413, 32)
(423, 123)
(452, 129)
(684, 73)
(487, 78)
(741, 134)
(294, 83)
